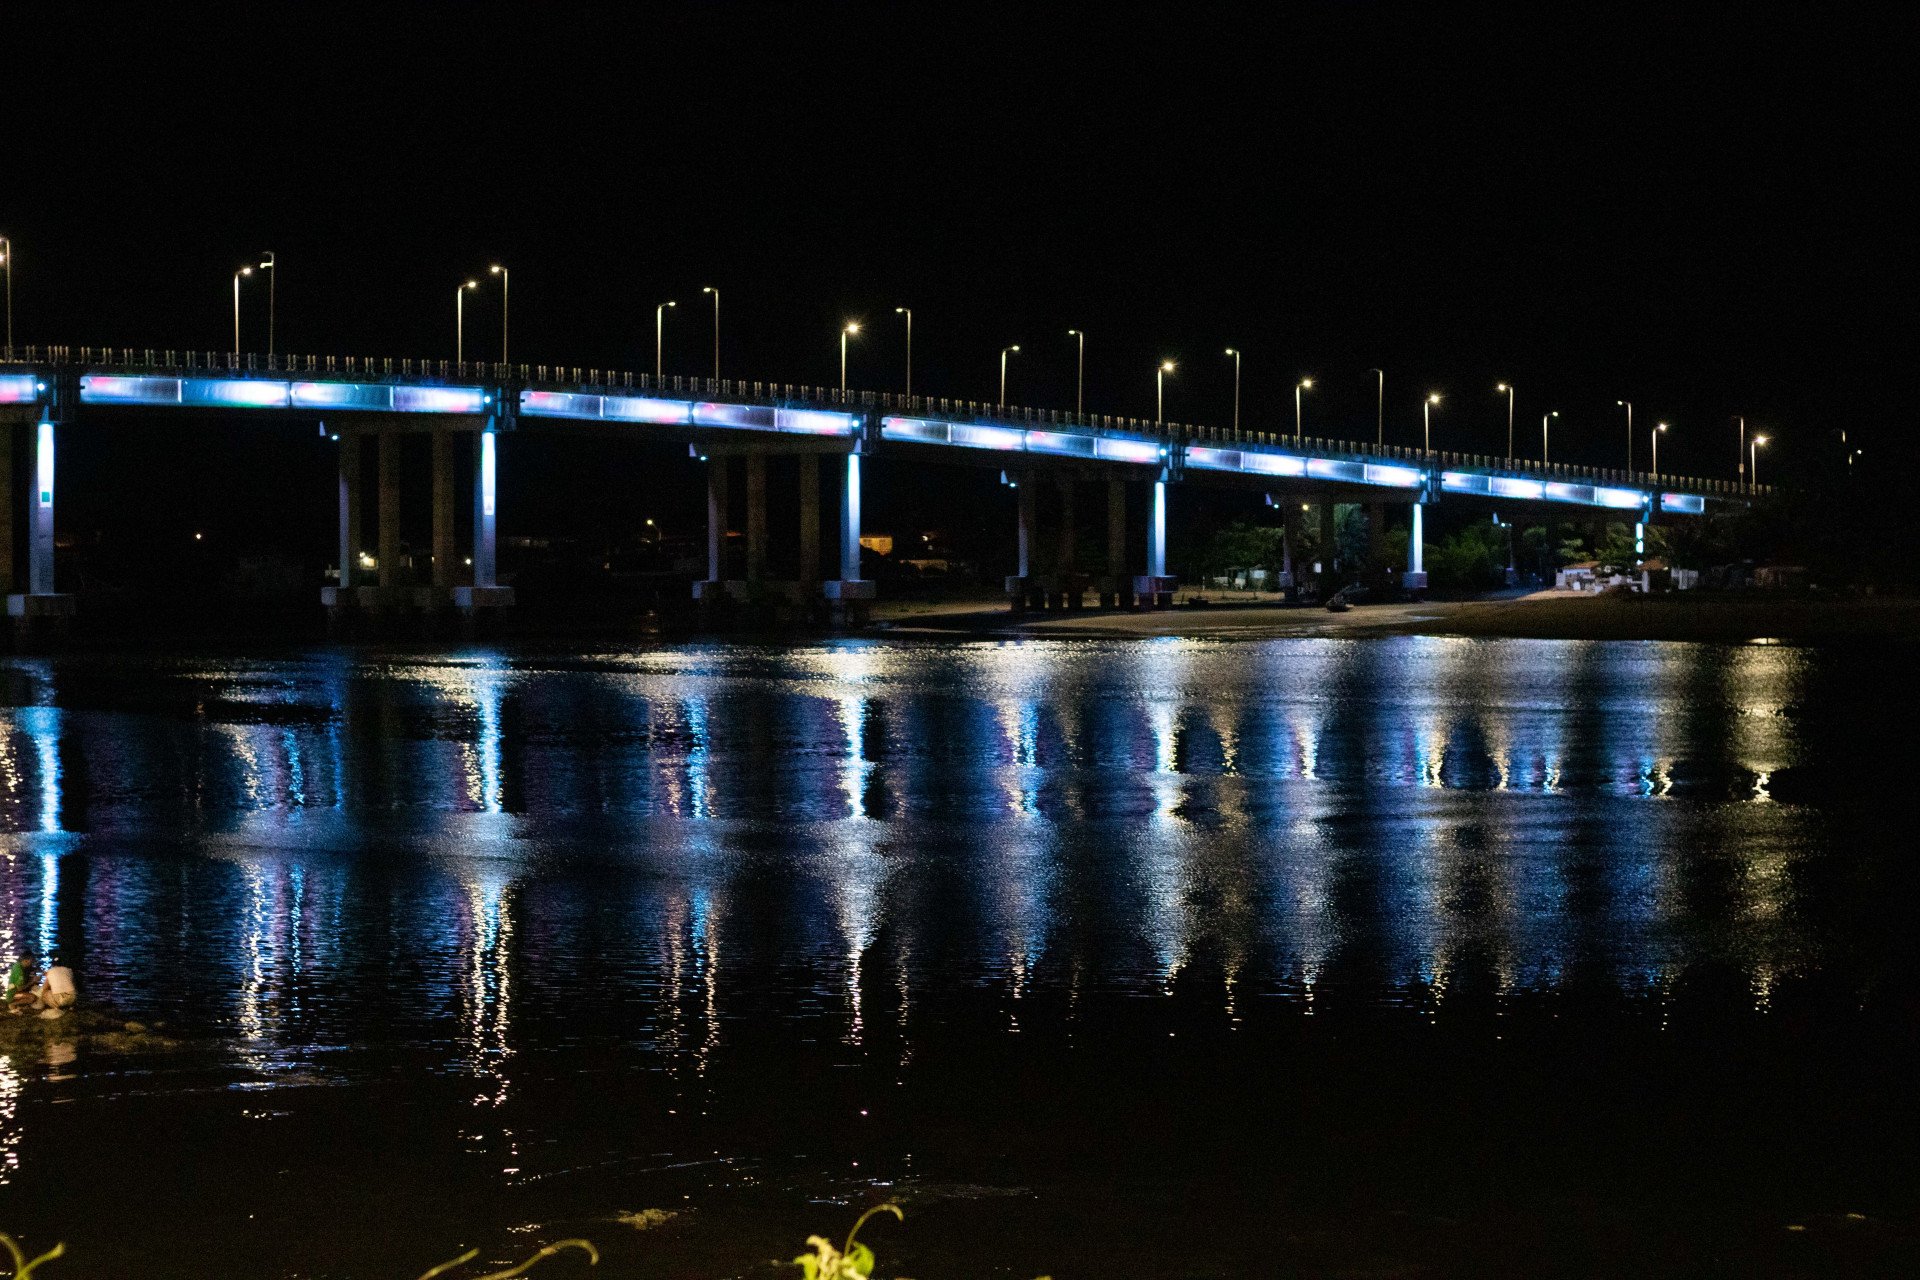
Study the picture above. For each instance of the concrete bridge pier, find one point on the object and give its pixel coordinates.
(810, 587)
(1415, 581)
(850, 596)
(757, 597)
(389, 574)
(1329, 549)
(486, 592)
(756, 518)
(386, 593)
(1377, 567)
(1067, 587)
(711, 592)
(1023, 588)
(1116, 592)
(1292, 567)
(40, 612)
(1154, 589)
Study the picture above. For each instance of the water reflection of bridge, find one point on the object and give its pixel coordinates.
(1264, 818)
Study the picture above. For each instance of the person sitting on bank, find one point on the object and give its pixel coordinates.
(56, 989)
(20, 992)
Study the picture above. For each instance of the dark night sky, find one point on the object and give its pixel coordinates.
(1694, 213)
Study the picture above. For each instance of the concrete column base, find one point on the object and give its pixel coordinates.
(52, 604)
(1414, 583)
(1155, 592)
(849, 600)
(41, 617)
(1065, 590)
(1025, 594)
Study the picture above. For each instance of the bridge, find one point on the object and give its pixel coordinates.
(472, 409)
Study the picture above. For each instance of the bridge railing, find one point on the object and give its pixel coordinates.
(171, 362)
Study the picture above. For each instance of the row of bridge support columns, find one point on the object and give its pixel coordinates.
(462, 585)
(40, 607)
(843, 598)
(1067, 586)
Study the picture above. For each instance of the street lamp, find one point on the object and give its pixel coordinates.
(1658, 431)
(1160, 391)
(1080, 373)
(1426, 421)
(1004, 353)
(659, 334)
(1379, 408)
(1236, 388)
(1753, 458)
(852, 327)
(1506, 387)
(460, 321)
(497, 270)
(1543, 434)
(716, 329)
(267, 266)
(908, 313)
(244, 271)
(1741, 453)
(1629, 407)
(6, 260)
(1305, 384)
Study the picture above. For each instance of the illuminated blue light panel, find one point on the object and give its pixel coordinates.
(16, 388)
(977, 435)
(267, 393)
(682, 413)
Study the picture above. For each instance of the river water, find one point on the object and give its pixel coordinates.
(1393, 956)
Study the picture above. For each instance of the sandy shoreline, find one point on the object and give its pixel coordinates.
(1560, 615)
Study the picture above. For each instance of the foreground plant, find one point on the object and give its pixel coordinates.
(23, 1268)
(593, 1259)
(851, 1261)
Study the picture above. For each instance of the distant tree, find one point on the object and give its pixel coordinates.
(1242, 546)
(1472, 559)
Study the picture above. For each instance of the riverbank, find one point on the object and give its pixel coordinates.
(1544, 615)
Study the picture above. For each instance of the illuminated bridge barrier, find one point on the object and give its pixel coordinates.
(724, 420)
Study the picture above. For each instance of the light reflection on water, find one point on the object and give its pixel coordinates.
(646, 848)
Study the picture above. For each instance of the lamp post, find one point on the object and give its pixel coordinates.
(497, 270)
(1079, 373)
(244, 271)
(908, 313)
(1160, 373)
(1753, 458)
(1543, 434)
(1658, 430)
(851, 328)
(659, 335)
(1236, 388)
(1379, 407)
(6, 260)
(460, 321)
(1629, 407)
(1305, 384)
(1741, 453)
(1508, 388)
(1004, 353)
(267, 266)
(716, 329)
(1426, 421)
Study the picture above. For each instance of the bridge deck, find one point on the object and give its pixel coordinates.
(861, 419)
